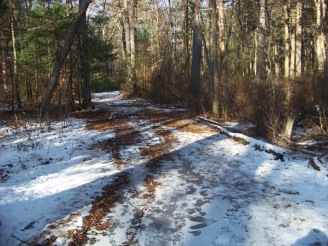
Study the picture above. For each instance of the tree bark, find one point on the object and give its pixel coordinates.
(287, 133)
(186, 39)
(17, 103)
(320, 35)
(85, 68)
(53, 81)
(215, 102)
(196, 49)
(123, 26)
(173, 36)
(133, 75)
(3, 74)
(261, 43)
(298, 41)
(292, 50)
(287, 41)
(220, 8)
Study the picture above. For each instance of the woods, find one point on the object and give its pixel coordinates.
(162, 122)
(263, 61)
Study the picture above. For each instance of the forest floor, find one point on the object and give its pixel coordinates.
(131, 173)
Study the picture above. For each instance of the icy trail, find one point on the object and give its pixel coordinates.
(183, 186)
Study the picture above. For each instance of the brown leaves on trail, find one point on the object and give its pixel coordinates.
(125, 135)
(128, 136)
(179, 120)
(151, 187)
(100, 208)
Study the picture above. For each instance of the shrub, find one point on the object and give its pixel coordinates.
(102, 82)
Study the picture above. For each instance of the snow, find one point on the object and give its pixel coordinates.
(213, 190)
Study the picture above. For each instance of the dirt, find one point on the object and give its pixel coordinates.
(126, 135)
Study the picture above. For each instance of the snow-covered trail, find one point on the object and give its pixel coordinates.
(184, 187)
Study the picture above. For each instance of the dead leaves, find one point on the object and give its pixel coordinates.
(100, 208)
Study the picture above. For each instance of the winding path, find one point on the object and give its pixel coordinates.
(182, 183)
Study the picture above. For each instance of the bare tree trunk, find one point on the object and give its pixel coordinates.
(326, 71)
(276, 61)
(220, 21)
(15, 85)
(126, 17)
(292, 58)
(85, 68)
(127, 25)
(255, 53)
(262, 32)
(69, 91)
(288, 127)
(287, 41)
(186, 38)
(53, 81)
(320, 36)
(3, 74)
(210, 67)
(123, 35)
(133, 75)
(173, 38)
(16, 100)
(215, 102)
(298, 41)
(196, 49)
(224, 36)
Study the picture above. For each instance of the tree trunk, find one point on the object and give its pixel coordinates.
(320, 35)
(326, 71)
(220, 21)
(3, 74)
(173, 36)
(17, 100)
(215, 102)
(276, 61)
(84, 56)
(29, 93)
(133, 75)
(17, 104)
(123, 18)
(298, 41)
(196, 49)
(288, 127)
(127, 27)
(208, 26)
(53, 81)
(186, 39)
(287, 41)
(261, 43)
(69, 91)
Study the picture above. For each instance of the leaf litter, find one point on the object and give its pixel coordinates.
(130, 173)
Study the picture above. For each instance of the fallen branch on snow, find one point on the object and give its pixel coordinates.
(241, 138)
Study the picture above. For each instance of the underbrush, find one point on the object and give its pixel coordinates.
(275, 106)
